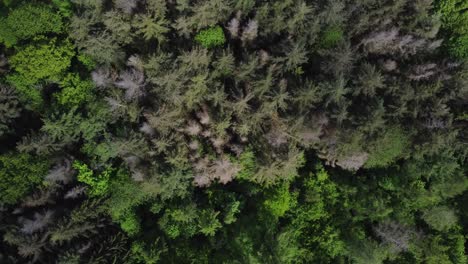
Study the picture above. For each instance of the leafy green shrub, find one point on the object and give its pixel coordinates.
(64, 7)
(320, 189)
(311, 221)
(441, 218)
(211, 37)
(9, 108)
(44, 61)
(179, 222)
(458, 46)
(231, 214)
(208, 222)
(457, 249)
(387, 148)
(455, 24)
(148, 254)
(19, 174)
(364, 250)
(125, 196)
(289, 248)
(331, 36)
(248, 165)
(27, 92)
(187, 221)
(280, 200)
(7, 2)
(74, 90)
(27, 21)
(130, 223)
(99, 184)
(87, 61)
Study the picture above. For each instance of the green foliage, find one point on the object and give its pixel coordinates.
(71, 125)
(284, 170)
(208, 222)
(175, 184)
(441, 218)
(28, 21)
(331, 37)
(75, 91)
(124, 197)
(9, 108)
(280, 200)
(210, 153)
(63, 128)
(248, 165)
(43, 61)
(457, 249)
(445, 174)
(289, 248)
(130, 223)
(211, 37)
(365, 251)
(26, 90)
(64, 7)
(7, 2)
(19, 174)
(141, 254)
(99, 184)
(187, 221)
(458, 47)
(87, 61)
(181, 222)
(230, 216)
(455, 24)
(319, 238)
(388, 148)
(437, 251)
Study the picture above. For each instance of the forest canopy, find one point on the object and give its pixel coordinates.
(234, 131)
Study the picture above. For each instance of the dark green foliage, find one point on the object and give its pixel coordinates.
(180, 221)
(141, 254)
(216, 131)
(386, 149)
(28, 21)
(75, 91)
(331, 36)
(455, 23)
(9, 108)
(130, 223)
(440, 218)
(64, 7)
(457, 249)
(125, 197)
(87, 61)
(43, 61)
(247, 164)
(19, 174)
(280, 201)
(99, 184)
(319, 238)
(209, 222)
(211, 37)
